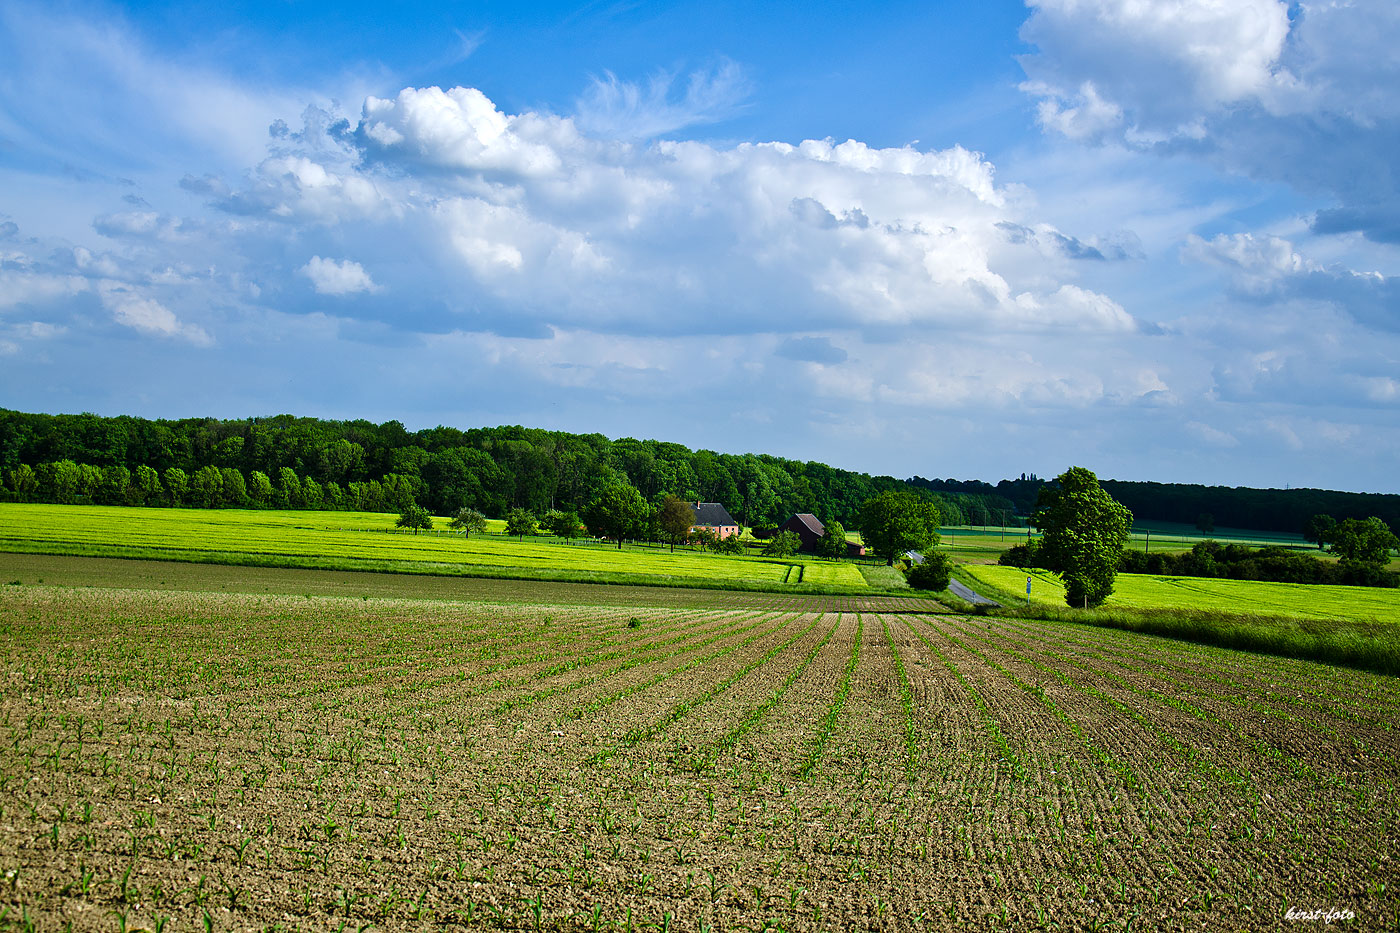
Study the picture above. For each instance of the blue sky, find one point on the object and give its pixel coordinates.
(1160, 240)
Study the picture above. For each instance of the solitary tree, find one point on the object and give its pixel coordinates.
(415, 517)
(895, 522)
(1205, 522)
(1083, 532)
(521, 522)
(833, 542)
(676, 518)
(467, 521)
(1320, 529)
(1364, 542)
(618, 511)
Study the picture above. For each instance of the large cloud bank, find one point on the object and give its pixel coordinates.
(1300, 94)
(424, 254)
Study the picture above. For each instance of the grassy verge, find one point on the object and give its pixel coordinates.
(882, 576)
(1370, 646)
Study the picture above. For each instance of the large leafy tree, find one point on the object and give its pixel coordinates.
(24, 481)
(894, 522)
(177, 484)
(618, 511)
(145, 485)
(676, 518)
(260, 488)
(1363, 542)
(1320, 529)
(833, 542)
(206, 486)
(1083, 532)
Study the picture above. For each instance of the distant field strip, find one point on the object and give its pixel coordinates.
(351, 536)
(1144, 591)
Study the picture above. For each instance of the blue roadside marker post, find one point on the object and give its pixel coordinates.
(1028, 592)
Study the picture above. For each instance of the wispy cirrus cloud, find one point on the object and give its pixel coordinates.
(663, 103)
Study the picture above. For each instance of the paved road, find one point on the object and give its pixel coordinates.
(962, 592)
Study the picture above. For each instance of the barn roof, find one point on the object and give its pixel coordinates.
(806, 520)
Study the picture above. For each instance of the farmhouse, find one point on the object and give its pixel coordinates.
(714, 518)
(810, 529)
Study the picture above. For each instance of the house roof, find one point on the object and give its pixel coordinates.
(808, 521)
(712, 513)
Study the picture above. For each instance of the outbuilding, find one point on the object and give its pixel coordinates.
(810, 530)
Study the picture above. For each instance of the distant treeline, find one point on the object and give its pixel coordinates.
(1212, 559)
(1286, 510)
(291, 462)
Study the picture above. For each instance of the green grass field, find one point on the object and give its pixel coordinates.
(361, 539)
(1144, 591)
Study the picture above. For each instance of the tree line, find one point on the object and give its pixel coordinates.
(1285, 510)
(294, 462)
(1363, 548)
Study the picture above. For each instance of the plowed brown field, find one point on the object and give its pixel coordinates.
(185, 760)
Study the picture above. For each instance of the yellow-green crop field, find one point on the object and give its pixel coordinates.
(1145, 591)
(352, 539)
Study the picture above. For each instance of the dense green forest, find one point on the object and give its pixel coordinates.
(1285, 510)
(291, 462)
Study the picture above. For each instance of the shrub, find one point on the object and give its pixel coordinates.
(1019, 555)
(782, 544)
(933, 574)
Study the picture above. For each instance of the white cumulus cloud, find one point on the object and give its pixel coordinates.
(147, 315)
(1299, 94)
(330, 277)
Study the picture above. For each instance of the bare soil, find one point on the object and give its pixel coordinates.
(192, 757)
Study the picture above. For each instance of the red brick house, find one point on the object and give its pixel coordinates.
(714, 518)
